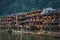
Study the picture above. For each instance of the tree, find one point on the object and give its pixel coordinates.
(9, 31)
(34, 29)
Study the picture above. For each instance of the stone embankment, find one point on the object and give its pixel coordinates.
(52, 34)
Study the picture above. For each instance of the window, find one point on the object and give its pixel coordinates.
(52, 18)
(9, 20)
(51, 23)
(19, 19)
(45, 18)
(48, 23)
(56, 23)
(33, 23)
(44, 23)
(56, 17)
(40, 16)
(37, 23)
(41, 23)
(52, 14)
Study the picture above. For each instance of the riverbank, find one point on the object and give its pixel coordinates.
(42, 33)
(51, 34)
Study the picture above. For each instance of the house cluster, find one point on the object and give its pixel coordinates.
(47, 19)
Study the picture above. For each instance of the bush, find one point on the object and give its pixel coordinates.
(9, 31)
(33, 28)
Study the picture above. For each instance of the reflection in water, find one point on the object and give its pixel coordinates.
(5, 36)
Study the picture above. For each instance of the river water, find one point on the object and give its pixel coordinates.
(6, 36)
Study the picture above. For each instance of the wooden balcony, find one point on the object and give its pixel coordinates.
(29, 15)
(3, 21)
(33, 15)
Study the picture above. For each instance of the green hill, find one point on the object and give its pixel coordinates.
(14, 6)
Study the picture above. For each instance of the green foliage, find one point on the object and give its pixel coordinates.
(46, 28)
(32, 28)
(9, 31)
(8, 6)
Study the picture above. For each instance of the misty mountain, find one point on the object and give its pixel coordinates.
(14, 6)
